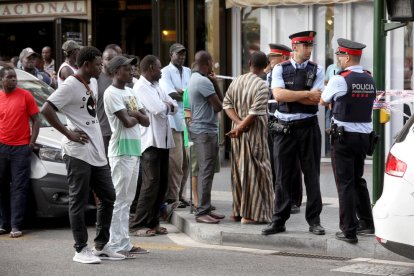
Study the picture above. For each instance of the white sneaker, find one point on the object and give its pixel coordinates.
(108, 254)
(86, 257)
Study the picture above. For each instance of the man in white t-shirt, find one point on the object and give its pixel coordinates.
(84, 155)
(125, 114)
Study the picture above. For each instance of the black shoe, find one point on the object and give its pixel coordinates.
(317, 229)
(273, 228)
(364, 229)
(294, 209)
(342, 237)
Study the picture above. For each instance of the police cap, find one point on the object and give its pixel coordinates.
(349, 47)
(279, 49)
(303, 37)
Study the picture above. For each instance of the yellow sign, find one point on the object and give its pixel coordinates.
(53, 8)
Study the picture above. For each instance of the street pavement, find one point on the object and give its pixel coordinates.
(296, 239)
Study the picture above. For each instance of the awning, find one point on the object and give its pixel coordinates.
(262, 3)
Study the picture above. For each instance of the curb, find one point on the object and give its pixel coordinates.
(291, 241)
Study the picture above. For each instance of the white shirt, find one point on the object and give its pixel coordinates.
(170, 81)
(153, 99)
(76, 102)
(278, 82)
(124, 140)
(336, 88)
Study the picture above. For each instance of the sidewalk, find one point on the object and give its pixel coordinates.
(296, 239)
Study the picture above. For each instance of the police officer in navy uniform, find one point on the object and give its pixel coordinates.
(297, 85)
(280, 53)
(351, 95)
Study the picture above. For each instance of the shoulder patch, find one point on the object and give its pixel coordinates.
(345, 73)
(368, 72)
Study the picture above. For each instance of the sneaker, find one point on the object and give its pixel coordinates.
(86, 257)
(15, 233)
(108, 254)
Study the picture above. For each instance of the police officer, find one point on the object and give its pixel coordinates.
(297, 85)
(280, 53)
(351, 94)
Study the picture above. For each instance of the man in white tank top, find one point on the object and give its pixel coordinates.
(68, 67)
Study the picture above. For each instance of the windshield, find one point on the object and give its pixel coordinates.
(405, 130)
(40, 91)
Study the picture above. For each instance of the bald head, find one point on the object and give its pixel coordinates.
(203, 62)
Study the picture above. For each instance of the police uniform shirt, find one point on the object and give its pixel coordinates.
(336, 88)
(277, 82)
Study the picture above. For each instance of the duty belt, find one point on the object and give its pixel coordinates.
(300, 123)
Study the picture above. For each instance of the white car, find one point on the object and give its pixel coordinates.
(48, 171)
(394, 211)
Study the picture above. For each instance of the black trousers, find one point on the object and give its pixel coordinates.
(348, 166)
(297, 191)
(154, 162)
(81, 177)
(303, 142)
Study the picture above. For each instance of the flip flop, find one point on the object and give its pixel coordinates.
(137, 250)
(160, 230)
(145, 232)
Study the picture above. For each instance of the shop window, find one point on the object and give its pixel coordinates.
(250, 34)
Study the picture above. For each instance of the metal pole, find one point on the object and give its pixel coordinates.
(379, 76)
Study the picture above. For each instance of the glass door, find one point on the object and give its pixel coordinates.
(69, 29)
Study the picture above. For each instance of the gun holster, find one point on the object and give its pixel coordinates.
(277, 128)
(336, 132)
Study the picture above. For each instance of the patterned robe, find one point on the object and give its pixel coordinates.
(251, 176)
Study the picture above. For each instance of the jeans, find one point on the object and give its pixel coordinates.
(206, 148)
(14, 184)
(81, 177)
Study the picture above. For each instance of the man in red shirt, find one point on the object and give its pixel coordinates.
(17, 108)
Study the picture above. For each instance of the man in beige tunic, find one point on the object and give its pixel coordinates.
(246, 105)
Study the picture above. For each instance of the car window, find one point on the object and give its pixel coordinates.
(40, 91)
(405, 130)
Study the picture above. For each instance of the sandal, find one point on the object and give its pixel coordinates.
(16, 234)
(160, 230)
(137, 250)
(145, 232)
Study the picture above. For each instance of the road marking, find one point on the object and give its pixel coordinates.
(22, 238)
(377, 261)
(368, 266)
(184, 240)
(159, 246)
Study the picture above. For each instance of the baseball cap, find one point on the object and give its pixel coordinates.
(119, 61)
(176, 48)
(70, 45)
(27, 52)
